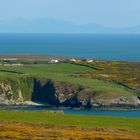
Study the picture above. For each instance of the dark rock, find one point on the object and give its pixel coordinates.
(45, 93)
(61, 94)
(72, 102)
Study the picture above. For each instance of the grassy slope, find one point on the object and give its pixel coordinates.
(126, 73)
(65, 73)
(45, 118)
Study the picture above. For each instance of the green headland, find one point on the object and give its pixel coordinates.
(68, 83)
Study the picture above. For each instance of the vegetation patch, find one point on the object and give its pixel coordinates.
(81, 76)
(41, 125)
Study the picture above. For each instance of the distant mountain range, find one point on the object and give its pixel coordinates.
(48, 25)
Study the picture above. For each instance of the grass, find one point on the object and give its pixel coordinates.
(66, 73)
(83, 121)
(125, 73)
(15, 130)
(47, 68)
(74, 74)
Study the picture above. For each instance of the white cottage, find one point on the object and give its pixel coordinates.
(54, 61)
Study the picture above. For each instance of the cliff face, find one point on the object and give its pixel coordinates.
(59, 94)
(6, 93)
(15, 91)
(56, 93)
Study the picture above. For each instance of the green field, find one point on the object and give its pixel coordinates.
(22, 124)
(124, 73)
(83, 121)
(65, 73)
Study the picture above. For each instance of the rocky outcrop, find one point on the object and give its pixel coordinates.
(14, 91)
(129, 102)
(46, 93)
(58, 94)
(7, 94)
(6, 91)
(55, 93)
(64, 94)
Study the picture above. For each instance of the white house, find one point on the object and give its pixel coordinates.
(73, 60)
(54, 61)
(89, 61)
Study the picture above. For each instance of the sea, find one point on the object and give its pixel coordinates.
(120, 47)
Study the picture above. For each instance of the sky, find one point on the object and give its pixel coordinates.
(108, 13)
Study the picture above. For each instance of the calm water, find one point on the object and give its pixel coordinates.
(112, 47)
(119, 113)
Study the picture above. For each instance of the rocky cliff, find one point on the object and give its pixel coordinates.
(57, 93)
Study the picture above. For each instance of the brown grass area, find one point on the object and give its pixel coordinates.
(126, 73)
(14, 130)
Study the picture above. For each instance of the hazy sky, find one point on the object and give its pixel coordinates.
(111, 13)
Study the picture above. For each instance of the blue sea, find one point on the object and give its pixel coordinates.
(108, 47)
